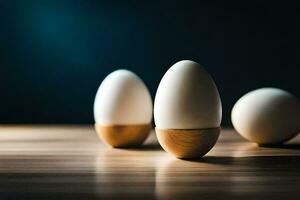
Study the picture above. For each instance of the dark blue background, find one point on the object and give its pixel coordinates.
(54, 54)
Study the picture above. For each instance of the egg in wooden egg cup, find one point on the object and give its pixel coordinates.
(122, 136)
(189, 143)
(123, 110)
(187, 111)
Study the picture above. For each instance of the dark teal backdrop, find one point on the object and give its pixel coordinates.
(54, 54)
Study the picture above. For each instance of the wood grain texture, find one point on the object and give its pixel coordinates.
(121, 136)
(70, 162)
(187, 144)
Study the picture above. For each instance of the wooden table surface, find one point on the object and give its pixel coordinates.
(69, 162)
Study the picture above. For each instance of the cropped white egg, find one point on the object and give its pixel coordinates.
(122, 99)
(267, 116)
(187, 98)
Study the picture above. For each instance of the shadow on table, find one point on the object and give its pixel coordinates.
(147, 147)
(282, 146)
(262, 161)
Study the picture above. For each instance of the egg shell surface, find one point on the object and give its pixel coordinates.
(187, 98)
(267, 116)
(122, 99)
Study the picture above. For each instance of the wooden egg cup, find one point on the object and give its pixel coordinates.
(189, 143)
(122, 136)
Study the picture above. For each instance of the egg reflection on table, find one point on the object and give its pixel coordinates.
(187, 110)
(123, 109)
(267, 116)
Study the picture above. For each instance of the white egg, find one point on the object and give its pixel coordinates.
(267, 116)
(122, 99)
(187, 98)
